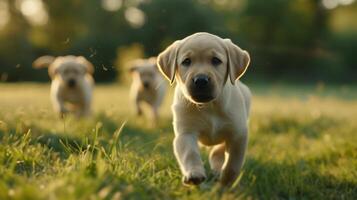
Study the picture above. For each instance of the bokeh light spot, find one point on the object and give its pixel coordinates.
(135, 17)
(112, 5)
(34, 11)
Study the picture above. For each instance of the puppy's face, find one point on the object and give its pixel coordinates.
(145, 72)
(70, 70)
(201, 64)
(201, 70)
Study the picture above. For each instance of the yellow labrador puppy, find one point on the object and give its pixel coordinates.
(210, 106)
(148, 86)
(72, 83)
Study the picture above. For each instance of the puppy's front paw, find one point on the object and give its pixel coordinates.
(194, 178)
(229, 176)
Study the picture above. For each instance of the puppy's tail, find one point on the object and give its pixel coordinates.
(43, 62)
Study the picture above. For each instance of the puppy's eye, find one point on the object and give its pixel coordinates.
(186, 62)
(216, 61)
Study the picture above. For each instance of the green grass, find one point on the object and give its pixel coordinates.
(303, 145)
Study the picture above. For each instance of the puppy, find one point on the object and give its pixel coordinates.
(72, 83)
(211, 106)
(148, 86)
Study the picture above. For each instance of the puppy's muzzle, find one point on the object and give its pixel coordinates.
(71, 83)
(201, 81)
(201, 88)
(146, 85)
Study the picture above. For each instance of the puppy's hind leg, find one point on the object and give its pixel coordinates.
(233, 164)
(58, 105)
(138, 109)
(84, 109)
(216, 158)
(155, 116)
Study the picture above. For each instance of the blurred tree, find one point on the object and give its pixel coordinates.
(288, 40)
(175, 19)
(125, 55)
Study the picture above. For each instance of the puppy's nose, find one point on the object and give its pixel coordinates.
(146, 84)
(71, 83)
(201, 81)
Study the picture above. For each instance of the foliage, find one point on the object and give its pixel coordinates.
(288, 40)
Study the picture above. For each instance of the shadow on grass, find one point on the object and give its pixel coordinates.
(271, 180)
(136, 133)
(311, 128)
(109, 126)
(128, 189)
(145, 139)
(60, 143)
(65, 143)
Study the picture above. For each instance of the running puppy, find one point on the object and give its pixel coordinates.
(210, 106)
(148, 86)
(72, 83)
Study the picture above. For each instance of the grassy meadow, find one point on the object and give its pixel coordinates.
(303, 145)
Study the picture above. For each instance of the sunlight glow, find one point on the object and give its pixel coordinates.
(34, 11)
(135, 17)
(221, 2)
(4, 14)
(346, 2)
(112, 5)
(331, 4)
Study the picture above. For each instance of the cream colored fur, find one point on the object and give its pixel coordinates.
(72, 83)
(145, 72)
(218, 119)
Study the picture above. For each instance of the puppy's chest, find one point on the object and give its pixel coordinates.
(149, 96)
(215, 128)
(73, 96)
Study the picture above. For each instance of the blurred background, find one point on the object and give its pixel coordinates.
(300, 41)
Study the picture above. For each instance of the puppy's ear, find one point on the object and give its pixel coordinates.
(167, 61)
(43, 61)
(89, 66)
(153, 62)
(238, 60)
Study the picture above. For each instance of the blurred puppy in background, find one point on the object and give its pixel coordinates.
(211, 106)
(72, 83)
(148, 86)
